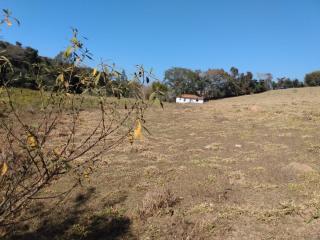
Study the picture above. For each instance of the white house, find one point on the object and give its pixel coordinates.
(189, 98)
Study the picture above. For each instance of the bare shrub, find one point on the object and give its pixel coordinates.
(47, 136)
(156, 201)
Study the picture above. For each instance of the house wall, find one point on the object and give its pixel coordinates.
(182, 100)
(195, 101)
(187, 100)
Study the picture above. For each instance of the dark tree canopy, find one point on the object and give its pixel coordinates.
(61, 59)
(182, 80)
(159, 86)
(312, 79)
(218, 83)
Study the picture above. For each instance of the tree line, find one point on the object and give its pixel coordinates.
(28, 66)
(218, 83)
(211, 84)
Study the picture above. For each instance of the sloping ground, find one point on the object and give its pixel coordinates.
(237, 168)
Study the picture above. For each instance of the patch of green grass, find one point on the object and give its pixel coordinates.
(296, 187)
(23, 98)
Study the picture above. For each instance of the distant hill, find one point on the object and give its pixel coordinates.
(19, 54)
(25, 61)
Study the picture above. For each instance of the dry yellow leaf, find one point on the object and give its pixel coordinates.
(94, 72)
(60, 78)
(137, 134)
(56, 152)
(32, 141)
(130, 137)
(4, 169)
(9, 23)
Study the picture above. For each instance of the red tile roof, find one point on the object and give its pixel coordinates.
(191, 96)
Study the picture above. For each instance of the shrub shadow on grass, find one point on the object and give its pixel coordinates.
(79, 222)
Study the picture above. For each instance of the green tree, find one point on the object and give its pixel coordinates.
(182, 80)
(234, 72)
(297, 84)
(214, 81)
(123, 76)
(60, 58)
(266, 79)
(31, 55)
(233, 87)
(245, 81)
(312, 79)
(159, 86)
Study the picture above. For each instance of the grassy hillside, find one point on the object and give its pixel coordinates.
(237, 168)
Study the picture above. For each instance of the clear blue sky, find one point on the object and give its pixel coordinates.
(277, 36)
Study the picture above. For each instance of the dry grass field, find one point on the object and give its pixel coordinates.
(238, 168)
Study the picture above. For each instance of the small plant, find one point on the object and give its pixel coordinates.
(79, 231)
